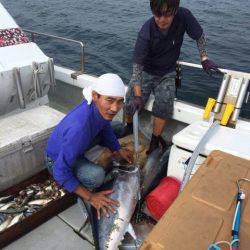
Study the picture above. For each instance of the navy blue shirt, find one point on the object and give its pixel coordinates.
(73, 136)
(158, 52)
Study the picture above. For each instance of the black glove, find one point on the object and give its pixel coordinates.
(155, 142)
(210, 67)
(135, 104)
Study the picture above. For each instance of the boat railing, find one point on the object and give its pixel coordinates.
(34, 33)
(226, 71)
(74, 75)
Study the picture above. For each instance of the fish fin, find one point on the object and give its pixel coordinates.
(131, 231)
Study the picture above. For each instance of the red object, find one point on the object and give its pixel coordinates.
(9, 37)
(161, 198)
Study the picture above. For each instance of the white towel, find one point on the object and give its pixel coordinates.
(108, 85)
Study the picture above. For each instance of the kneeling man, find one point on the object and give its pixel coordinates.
(76, 133)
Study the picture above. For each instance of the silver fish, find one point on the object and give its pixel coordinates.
(15, 220)
(6, 199)
(30, 192)
(2, 218)
(155, 166)
(8, 205)
(49, 188)
(2, 204)
(14, 210)
(5, 224)
(109, 232)
(62, 192)
(41, 202)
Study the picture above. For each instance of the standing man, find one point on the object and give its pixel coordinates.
(156, 52)
(89, 121)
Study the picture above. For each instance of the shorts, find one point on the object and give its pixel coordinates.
(163, 89)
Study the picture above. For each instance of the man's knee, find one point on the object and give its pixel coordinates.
(89, 174)
(98, 177)
(163, 111)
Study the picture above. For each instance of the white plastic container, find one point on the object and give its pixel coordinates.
(23, 138)
(232, 141)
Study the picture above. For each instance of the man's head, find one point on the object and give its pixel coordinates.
(108, 95)
(164, 12)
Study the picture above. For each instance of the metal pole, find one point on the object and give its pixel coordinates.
(32, 37)
(82, 63)
(196, 153)
(18, 80)
(136, 137)
(33, 33)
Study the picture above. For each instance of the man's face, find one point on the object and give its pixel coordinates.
(108, 106)
(164, 22)
(164, 18)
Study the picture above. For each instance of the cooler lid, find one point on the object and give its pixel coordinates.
(29, 125)
(20, 55)
(232, 141)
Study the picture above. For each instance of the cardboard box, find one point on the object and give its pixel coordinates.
(203, 213)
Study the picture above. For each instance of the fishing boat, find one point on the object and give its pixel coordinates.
(35, 94)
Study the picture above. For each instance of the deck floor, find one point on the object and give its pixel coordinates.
(68, 231)
(58, 234)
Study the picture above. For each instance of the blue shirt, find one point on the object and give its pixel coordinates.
(158, 52)
(73, 136)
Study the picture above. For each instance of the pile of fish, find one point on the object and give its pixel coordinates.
(15, 208)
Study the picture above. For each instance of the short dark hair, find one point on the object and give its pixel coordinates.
(164, 7)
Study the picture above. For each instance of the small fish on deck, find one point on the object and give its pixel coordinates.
(41, 202)
(6, 199)
(15, 220)
(8, 205)
(5, 224)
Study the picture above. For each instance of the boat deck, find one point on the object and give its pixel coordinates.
(68, 231)
(64, 231)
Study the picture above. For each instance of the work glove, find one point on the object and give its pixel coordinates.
(210, 67)
(135, 104)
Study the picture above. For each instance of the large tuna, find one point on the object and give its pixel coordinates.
(154, 169)
(109, 232)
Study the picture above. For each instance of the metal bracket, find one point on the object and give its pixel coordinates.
(76, 74)
(27, 146)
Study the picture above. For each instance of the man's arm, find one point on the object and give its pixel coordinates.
(74, 143)
(201, 44)
(208, 65)
(136, 79)
(108, 138)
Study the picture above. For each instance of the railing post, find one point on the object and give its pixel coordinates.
(82, 65)
(32, 37)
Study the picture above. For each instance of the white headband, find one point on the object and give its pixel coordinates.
(108, 85)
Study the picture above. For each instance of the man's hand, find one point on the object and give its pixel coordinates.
(126, 154)
(102, 203)
(210, 67)
(135, 104)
